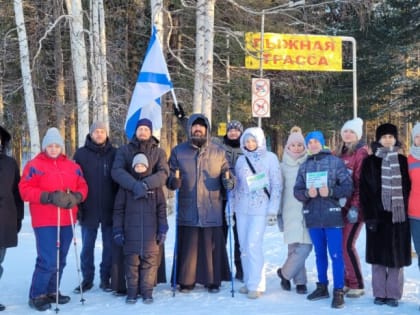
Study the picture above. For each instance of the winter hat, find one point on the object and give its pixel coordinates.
(315, 135)
(295, 136)
(234, 124)
(140, 159)
(416, 130)
(4, 137)
(52, 136)
(199, 121)
(386, 129)
(97, 125)
(356, 125)
(145, 122)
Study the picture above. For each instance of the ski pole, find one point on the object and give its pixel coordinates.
(227, 175)
(175, 259)
(57, 275)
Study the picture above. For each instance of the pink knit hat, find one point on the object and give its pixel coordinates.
(295, 136)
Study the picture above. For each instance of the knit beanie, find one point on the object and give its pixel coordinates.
(386, 129)
(145, 122)
(52, 136)
(140, 159)
(234, 124)
(97, 125)
(199, 121)
(356, 125)
(415, 131)
(295, 137)
(315, 135)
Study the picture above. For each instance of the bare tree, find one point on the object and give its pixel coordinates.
(27, 79)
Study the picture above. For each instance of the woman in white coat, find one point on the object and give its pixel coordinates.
(256, 200)
(290, 218)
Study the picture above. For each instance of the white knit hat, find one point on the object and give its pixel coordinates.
(356, 125)
(52, 136)
(416, 130)
(140, 158)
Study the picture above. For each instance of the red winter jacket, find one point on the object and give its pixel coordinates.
(414, 198)
(45, 174)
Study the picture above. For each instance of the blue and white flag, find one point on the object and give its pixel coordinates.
(152, 82)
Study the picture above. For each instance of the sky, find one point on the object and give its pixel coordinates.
(19, 264)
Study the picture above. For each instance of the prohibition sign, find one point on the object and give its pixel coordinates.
(260, 107)
(261, 87)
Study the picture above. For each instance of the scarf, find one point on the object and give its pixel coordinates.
(392, 197)
(295, 156)
(415, 151)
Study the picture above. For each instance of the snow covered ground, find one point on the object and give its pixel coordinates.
(19, 264)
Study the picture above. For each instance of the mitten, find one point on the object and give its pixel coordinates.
(160, 238)
(174, 182)
(271, 219)
(280, 222)
(178, 111)
(74, 199)
(372, 226)
(59, 199)
(139, 190)
(118, 236)
(352, 215)
(228, 183)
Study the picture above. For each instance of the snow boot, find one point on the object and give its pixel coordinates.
(2, 307)
(284, 283)
(40, 303)
(62, 299)
(86, 286)
(338, 299)
(301, 289)
(321, 292)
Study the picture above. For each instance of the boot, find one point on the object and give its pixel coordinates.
(40, 303)
(62, 299)
(2, 307)
(321, 292)
(86, 286)
(105, 285)
(338, 299)
(284, 283)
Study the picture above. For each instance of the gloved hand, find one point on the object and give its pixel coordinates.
(271, 219)
(57, 198)
(118, 236)
(160, 238)
(178, 111)
(139, 190)
(352, 215)
(74, 199)
(280, 222)
(174, 182)
(228, 183)
(372, 226)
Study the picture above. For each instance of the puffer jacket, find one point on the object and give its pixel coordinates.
(257, 202)
(295, 230)
(414, 199)
(324, 212)
(45, 174)
(96, 162)
(353, 162)
(201, 170)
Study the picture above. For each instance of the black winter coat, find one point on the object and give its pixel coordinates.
(141, 220)
(11, 204)
(96, 163)
(121, 169)
(390, 244)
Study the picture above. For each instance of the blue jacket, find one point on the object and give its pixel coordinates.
(323, 212)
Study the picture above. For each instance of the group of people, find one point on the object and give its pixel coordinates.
(318, 198)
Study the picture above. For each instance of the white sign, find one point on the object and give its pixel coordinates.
(257, 181)
(260, 97)
(316, 179)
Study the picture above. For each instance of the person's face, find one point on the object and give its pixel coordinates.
(349, 136)
(140, 168)
(198, 130)
(314, 146)
(233, 134)
(53, 150)
(251, 144)
(417, 140)
(296, 147)
(143, 133)
(99, 136)
(387, 141)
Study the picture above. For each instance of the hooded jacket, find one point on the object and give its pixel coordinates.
(201, 170)
(96, 162)
(257, 202)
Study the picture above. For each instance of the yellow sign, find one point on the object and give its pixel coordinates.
(294, 52)
(221, 130)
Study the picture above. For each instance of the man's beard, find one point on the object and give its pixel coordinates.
(198, 140)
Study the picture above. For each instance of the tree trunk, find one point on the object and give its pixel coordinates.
(102, 63)
(78, 54)
(27, 80)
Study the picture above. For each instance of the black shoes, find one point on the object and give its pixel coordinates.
(2, 307)
(284, 283)
(301, 289)
(40, 303)
(392, 302)
(147, 300)
(62, 299)
(213, 288)
(321, 292)
(186, 288)
(379, 301)
(86, 286)
(105, 285)
(387, 301)
(239, 274)
(338, 299)
(120, 292)
(131, 299)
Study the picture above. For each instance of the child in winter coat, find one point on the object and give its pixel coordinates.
(290, 218)
(384, 191)
(414, 199)
(321, 182)
(140, 226)
(352, 151)
(255, 201)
